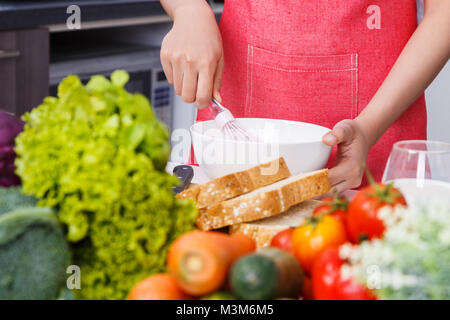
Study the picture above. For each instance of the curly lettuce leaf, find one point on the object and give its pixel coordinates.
(97, 153)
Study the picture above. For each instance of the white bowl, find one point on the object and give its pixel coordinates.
(299, 143)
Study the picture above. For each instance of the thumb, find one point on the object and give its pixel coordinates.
(342, 131)
(218, 79)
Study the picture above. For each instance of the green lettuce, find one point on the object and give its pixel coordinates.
(97, 154)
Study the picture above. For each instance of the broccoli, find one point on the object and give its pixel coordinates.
(12, 198)
(34, 254)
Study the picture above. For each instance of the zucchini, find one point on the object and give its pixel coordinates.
(267, 274)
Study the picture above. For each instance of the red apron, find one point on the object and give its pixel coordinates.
(316, 61)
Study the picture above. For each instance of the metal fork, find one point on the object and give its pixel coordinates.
(228, 123)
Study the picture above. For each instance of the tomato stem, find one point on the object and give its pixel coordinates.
(384, 193)
(314, 220)
(362, 237)
(338, 203)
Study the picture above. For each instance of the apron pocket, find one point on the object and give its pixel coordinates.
(316, 89)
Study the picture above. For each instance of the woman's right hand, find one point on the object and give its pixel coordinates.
(192, 54)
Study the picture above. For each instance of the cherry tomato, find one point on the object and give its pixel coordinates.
(349, 289)
(328, 283)
(325, 274)
(283, 240)
(337, 207)
(362, 219)
(315, 236)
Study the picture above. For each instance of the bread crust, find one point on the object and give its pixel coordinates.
(263, 204)
(235, 184)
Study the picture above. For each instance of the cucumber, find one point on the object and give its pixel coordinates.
(267, 274)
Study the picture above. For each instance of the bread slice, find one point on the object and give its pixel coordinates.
(266, 201)
(262, 231)
(236, 184)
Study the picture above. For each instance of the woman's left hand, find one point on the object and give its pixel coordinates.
(351, 154)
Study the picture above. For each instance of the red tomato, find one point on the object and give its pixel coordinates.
(337, 207)
(349, 289)
(315, 236)
(283, 240)
(328, 284)
(362, 218)
(325, 274)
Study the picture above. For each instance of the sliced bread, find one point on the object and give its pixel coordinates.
(236, 184)
(262, 231)
(266, 201)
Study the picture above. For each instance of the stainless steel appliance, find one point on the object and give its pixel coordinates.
(161, 95)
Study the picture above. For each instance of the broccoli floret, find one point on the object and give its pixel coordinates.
(34, 255)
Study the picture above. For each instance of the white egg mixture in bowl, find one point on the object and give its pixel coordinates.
(299, 143)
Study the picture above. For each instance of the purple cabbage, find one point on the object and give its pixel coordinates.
(10, 127)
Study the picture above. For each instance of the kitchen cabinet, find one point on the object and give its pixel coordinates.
(24, 69)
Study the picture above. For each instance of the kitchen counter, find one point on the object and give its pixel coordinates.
(22, 14)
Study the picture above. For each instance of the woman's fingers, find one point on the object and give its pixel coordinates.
(189, 89)
(209, 83)
(353, 181)
(346, 185)
(177, 69)
(204, 89)
(346, 175)
(193, 82)
(343, 186)
(167, 66)
(218, 79)
(338, 174)
(341, 132)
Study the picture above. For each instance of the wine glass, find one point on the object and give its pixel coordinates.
(420, 169)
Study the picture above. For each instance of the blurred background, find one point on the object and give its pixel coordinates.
(37, 50)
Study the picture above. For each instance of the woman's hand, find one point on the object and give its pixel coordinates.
(428, 50)
(351, 154)
(192, 54)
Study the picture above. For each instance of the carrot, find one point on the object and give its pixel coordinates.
(200, 260)
(160, 286)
